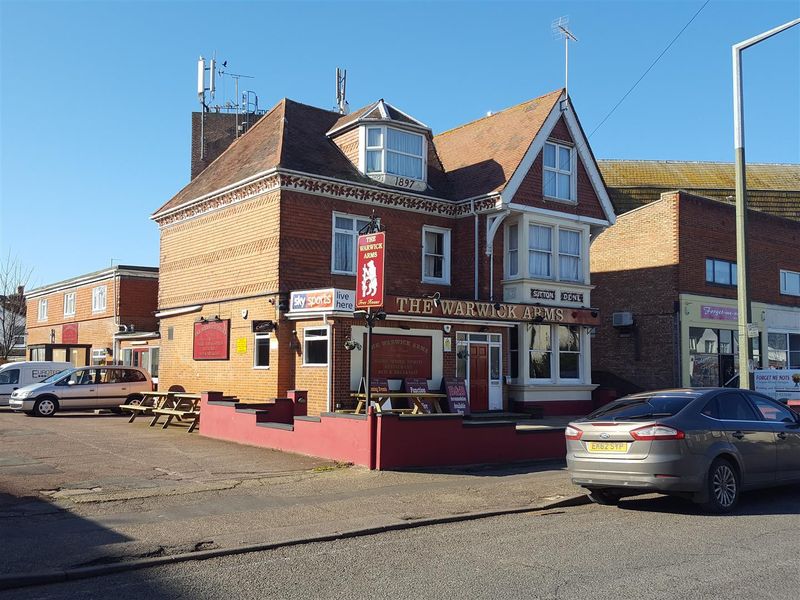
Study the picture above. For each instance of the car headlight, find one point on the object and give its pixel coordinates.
(21, 395)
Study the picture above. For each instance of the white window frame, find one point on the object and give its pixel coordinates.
(42, 310)
(553, 236)
(354, 240)
(579, 255)
(445, 278)
(256, 338)
(96, 295)
(508, 250)
(383, 150)
(784, 279)
(69, 304)
(573, 175)
(555, 357)
(316, 338)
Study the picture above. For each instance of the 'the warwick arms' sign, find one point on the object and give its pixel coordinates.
(490, 311)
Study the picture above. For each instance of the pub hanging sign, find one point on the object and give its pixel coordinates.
(369, 267)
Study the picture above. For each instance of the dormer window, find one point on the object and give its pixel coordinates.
(391, 151)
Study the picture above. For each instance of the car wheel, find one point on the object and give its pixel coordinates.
(604, 497)
(723, 487)
(134, 400)
(45, 407)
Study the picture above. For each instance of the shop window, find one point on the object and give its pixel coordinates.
(569, 352)
(714, 357)
(512, 257)
(99, 298)
(435, 255)
(513, 350)
(9, 376)
(790, 283)
(558, 171)
(783, 350)
(261, 351)
(99, 356)
(38, 354)
(43, 309)
(345, 239)
(69, 304)
(315, 347)
(569, 255)
(395, 152)
(155, 356)
(540, 251)
(540, 352)
(720, 272)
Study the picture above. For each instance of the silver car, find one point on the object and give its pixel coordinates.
(703, 444)
(81, 389)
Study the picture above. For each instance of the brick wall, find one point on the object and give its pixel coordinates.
(348, 144)
(138, 302)
(220, 132)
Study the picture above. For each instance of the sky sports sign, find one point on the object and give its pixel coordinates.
(369, 269)
(322, 300)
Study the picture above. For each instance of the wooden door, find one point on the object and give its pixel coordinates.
(478, 377)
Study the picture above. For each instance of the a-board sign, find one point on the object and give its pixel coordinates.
(456, 390)
(417, 385)
(379, 385)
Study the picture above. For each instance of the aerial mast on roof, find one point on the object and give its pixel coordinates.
(341, 91)
(560, 30)
(202, 68)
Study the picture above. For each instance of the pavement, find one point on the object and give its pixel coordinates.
(85, 491)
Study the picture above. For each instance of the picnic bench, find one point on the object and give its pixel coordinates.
(145, 406)
(417, 402)
(183, 407)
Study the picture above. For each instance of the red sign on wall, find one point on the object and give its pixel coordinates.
(401, 356)
(211, 340)
(69, 333)
(371, 250)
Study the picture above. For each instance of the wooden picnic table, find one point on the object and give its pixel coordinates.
(149, 402)
(415, 398)
(179, 406)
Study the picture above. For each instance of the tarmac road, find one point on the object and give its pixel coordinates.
(648, 548)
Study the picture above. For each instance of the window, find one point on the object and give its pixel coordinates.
(512, 266)
(394, 151)
(513, 351)
(569, 352)
(37, 353)
(721, 272)
(315, 347)
(43, 310)
(127, 356)
(540, 250)
(155, 355)
(99, 298)
(9, 376)
(772, 411)
(558, 177)
(790, 283)
(435, 255)
(730, 406)
(69, 304)
(783, 350)
(345, 239)
(261, 351)
(539, 352)
(569, 255)
(713, 357)
(99, 356)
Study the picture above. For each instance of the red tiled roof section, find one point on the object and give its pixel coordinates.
(256, 151)
(480, 157)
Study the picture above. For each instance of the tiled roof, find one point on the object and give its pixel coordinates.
(471, 160)
(480, 157)
(771, 188)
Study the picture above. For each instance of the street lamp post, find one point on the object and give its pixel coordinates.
(743, 282)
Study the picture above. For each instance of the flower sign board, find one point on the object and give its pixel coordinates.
(211, 340)
(781, 384)
(369, 269)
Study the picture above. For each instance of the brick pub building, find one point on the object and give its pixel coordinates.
(84, 319)
(488, 229)
(668, 305)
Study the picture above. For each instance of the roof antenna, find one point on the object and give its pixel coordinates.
(341, 91)
(204, 67)
(560, 30)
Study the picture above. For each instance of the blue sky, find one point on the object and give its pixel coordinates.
(96, 96)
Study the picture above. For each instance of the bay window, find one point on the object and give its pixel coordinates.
(512, 263)
(540, 352)
(569, 255)
(548, 363)
(345, 239)
(558, 172)
(395, 151)
(540, 251)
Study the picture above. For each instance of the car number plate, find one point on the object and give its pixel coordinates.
(607, 446)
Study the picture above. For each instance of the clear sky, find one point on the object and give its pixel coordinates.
(96, 96)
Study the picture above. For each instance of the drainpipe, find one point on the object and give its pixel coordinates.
(477, 252)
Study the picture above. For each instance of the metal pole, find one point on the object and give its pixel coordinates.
(566, 66)
(369, 361)
(742, 273)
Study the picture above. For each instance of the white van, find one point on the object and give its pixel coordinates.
(19, 374)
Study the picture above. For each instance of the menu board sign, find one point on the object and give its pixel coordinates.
(456, 390)
(414, 385)
(211, 340)
(401, 356)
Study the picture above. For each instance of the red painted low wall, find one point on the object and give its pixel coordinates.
(405, 442)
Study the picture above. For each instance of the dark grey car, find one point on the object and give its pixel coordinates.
(703, 444)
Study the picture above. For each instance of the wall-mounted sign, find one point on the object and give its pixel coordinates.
(401, 356)
(537, 294)
(319, 300)
(69, 333)
(781, 384)
(456, 391)
(719, 313)
(211, 340)
(369, 270)
(571, 296)
(487, 311)
(241, 345)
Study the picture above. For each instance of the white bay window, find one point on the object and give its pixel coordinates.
(395, 152)
(569, 255)
(540, 251)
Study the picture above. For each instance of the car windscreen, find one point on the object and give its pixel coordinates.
(635, 408)
(55, 376)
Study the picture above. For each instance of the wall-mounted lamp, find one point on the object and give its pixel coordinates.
(436, 296)
(537, 319)
(497, 306)
(52, 336)
(594, 313)
(352, 345)
(447, 328)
